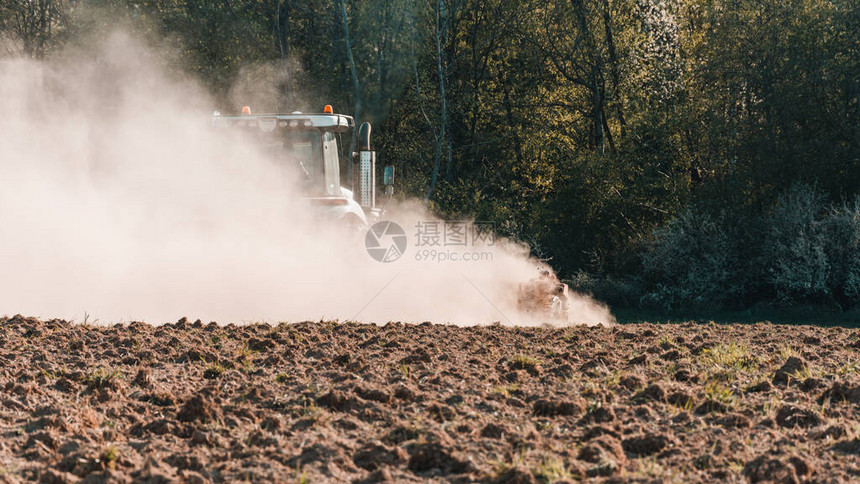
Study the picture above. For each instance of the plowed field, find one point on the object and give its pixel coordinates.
(327, 402)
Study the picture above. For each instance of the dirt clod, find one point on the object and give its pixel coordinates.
(516, 475)
(681, 399)
(791, 416)
(790, 370)
(711, 406)
(653, 392)
(763, 386)
(840, 392)
(645, 445)
(602, 449)
(433, 456)
(768, 469)
(198, 408)
(631, 382)
(374, 455)
(143, 378)
(551, 408)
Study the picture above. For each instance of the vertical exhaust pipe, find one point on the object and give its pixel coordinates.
(366, 168)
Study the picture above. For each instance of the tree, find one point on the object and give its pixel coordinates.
(31, 27)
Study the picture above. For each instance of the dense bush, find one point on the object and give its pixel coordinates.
(794, 246)
(841, 230)
(689, 262)
(800, 251)
(617, 292)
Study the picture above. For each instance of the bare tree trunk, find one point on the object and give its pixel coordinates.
(282, 26)
(443, 78)
(282, 14)
(435, 173)
(445, 137)
(598, 110)
(440, 140)
(613, 66)
(596, 76)
(356, 92)
(608, 135)
(509, 114)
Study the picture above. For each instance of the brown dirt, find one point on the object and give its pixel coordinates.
(194, 402)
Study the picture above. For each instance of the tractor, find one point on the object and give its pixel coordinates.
(311, 145)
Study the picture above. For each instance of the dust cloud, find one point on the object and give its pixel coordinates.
(119, 202)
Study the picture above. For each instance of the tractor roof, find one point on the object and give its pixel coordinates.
(337, 123)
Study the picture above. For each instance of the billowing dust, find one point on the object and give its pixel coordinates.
(120, 202)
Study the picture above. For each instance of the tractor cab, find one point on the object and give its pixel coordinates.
(308, 147)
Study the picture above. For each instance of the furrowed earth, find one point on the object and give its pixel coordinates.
(327, 402)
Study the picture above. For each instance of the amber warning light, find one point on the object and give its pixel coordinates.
(246, 110)
(328, 109)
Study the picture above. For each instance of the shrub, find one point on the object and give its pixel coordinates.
(689, 263)
(624, 292)
(798, 251)
(794, 246)
(841, 231)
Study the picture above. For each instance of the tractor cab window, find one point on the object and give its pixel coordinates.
(331, 164)
(301, 153)
(310, 156)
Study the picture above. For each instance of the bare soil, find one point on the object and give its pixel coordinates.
(328, 402)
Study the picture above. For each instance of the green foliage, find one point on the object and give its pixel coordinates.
(718, 392)
(841, 230)
(552, 469)
(690, 262)
(624, 291)
(644, 143)
(102, 377)
(798, 250)
(523, 362)
(794, 245)
(110, 456)
(732, 356)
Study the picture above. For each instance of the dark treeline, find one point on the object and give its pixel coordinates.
(679, 152)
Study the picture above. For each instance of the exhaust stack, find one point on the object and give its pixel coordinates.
(366, 169)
